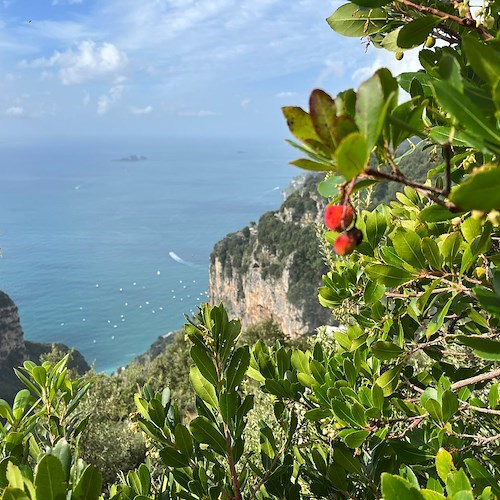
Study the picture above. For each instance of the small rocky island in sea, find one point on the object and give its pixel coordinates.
(133, 158)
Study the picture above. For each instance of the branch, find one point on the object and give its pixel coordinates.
(480, 410)
(428, 191)
(467, 22)
(447, 156)
(474, 380)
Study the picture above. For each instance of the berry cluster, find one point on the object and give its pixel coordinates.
(339, 218)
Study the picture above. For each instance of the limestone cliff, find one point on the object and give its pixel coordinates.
(11, 334)
(14, 349)
(273, 269)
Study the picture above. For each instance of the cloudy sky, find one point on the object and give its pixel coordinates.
(181, 67)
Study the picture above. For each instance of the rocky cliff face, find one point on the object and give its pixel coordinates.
(14, 349)
(273, 269)
(11, 333)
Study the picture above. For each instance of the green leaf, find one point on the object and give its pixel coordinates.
(469, 116)
(389, 380)
(432, 495)
(300, 124)
(436, 213)
(204, 363)
(371, 3)
(431, 252)
(471, 228)
(323, 112)
(173, 458)
(416, 32)
(343, 413)
(330, 186)
(14, 476)
(62, 451)
(49, 479)
(205, 431)
(483, 347)
(451, 247)
(449, 405)
(437, 321)
(444, 464)
(386, 350)
(300, 361)
(89, 486)
(397, 488)
(238, 367)
(203, 387)
(352, 155)
(458, 483)
(228, 406)
(484, 59)
(373, 292)
(489, 300)
(353, 438)
(479, 192)
(407, 246)
(370, 107)
(376, 225)
(183, 440)
(14, 494)
(351, 20)
(388, 275)
(315, 166)
(39, 374)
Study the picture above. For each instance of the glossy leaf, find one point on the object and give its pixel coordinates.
(386, 350)
(204, 363)
(205, 431)
(479, 192)
(483, 347)
(323, 112)
(352, 155)
(50, 480)
(389, 380)
(416, 32)
(237, 368)
(351, 20)
(300, 124)
(202, 386)
(407, 245)
(388, 275)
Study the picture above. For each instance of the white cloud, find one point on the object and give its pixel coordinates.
(106, 101)
(202, 113)
(141, 111)
(245, 103)
(15, 111)
(66, 2)
(286, 94)
(88, 61)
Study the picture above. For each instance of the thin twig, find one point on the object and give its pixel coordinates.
(467, 22)
(477, 379)
(480, 410)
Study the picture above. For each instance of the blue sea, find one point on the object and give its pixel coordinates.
(107, 255)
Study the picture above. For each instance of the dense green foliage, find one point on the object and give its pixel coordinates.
(401, 403)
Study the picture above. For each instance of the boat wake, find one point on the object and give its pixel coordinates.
(178, 259)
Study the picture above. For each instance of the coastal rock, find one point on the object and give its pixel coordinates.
(14, 349)
(11, 333)
(273, 269)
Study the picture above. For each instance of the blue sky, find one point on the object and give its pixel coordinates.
(177, 67)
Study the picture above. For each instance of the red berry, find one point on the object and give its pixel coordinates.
(338, 217)
(348, 241)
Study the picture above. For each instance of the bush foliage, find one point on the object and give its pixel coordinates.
(404, 401)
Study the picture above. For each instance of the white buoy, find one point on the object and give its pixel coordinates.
(158, 273)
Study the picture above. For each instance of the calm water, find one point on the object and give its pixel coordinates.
(107, 255)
